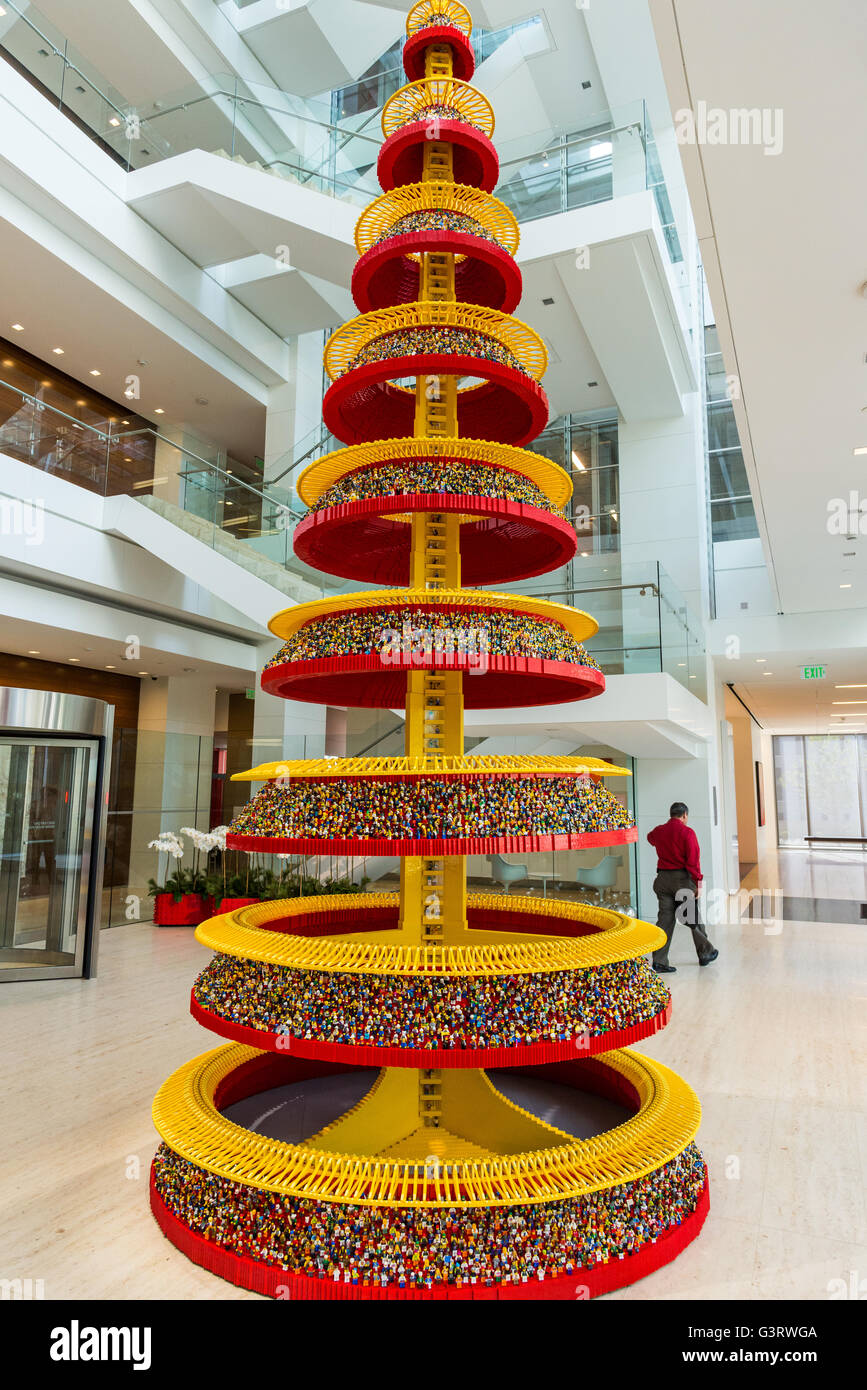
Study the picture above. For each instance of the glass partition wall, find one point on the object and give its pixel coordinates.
(820, 782)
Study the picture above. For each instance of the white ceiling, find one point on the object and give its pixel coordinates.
(19, 638)
(783, 243)
(783, 702)
(110, 337)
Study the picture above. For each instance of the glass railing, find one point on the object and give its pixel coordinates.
(645, 623)
(331, 144)
(44, 55)
(249, 521)
(372, 90)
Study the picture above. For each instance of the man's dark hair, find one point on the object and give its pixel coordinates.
(678, 809)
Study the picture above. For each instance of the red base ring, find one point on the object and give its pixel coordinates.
(362, 406)
(385, 276)
(401, 157)
(463, 54)
(445, 1058)
(428, 849)
(511, 541)
(507, 682)
(273, 1282)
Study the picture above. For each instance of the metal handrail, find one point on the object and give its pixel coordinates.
(557, 145)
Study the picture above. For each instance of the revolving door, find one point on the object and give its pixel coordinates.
(52, 837)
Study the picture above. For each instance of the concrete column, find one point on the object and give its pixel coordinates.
(284, 729)
(658, 783)
(663, 514)
(294, 409)
(174, 758)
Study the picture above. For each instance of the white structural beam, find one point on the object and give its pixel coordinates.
(217, 211)
(673, 722)
(612, 267)
(314, 46)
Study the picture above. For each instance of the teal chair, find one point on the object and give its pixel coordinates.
(504, 872)
(602, 876)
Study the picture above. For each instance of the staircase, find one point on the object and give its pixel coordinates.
(253, 561)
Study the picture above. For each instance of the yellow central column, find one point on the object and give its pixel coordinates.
(433, 891)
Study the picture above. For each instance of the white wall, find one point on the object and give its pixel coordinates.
(741, 579)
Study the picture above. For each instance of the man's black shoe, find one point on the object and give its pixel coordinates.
(665, 969)
(707, 960)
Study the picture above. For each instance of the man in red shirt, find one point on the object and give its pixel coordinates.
(678, 876)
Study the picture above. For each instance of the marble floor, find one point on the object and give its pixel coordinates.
(812, 873)
(772, 1036)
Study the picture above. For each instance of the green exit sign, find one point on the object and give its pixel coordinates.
(813, 673)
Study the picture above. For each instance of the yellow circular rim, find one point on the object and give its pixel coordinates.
(384, 211)
(458, 16)
(404, 106)
(324, 472)
(580, 625)
(187, 1119)
(496, 764)
(517, 337)
(244, 934)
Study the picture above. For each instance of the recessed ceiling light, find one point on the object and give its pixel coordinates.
(202, 400)
(143, 673)
(34, 653)
(862, 449)
(681, 663)
(74, 658)
(862, 686)
(58, 351)
(159, 410)
(112, 120)
(761, 659)
(845, 586)
(849, 702)
(18, 327)
(111, 668)
(767, 673)
(94, 371)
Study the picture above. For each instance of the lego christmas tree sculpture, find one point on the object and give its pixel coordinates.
(438, 1179)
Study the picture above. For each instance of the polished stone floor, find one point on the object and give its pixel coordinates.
(772, 1037)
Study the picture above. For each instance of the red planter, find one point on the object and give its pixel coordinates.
(192, 909)
(232, 904)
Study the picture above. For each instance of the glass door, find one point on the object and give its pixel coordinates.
(47, 804)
